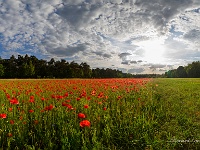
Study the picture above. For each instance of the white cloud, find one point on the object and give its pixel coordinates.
(100, 29)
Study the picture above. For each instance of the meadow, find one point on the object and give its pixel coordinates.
(100, 114)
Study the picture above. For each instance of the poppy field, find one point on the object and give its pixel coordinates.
(97, 114)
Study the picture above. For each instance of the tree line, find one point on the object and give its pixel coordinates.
(32, 67)
(190, 71)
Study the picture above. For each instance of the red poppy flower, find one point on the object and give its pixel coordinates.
(21, 117)
(66, 94)
(100, 95)
(50, 107)
(8, 96)
(9, 135)
(119, 97)
(14, 101)
(12, 122)
(81, 115)
(86, 106)
(84, 123)
(93, 92)
(59, 96)
(104, 108)
(10, 109)
(3, 116)
(31, 100)
(31, 110)
(67, 101)
(31, 97)
(36, 121)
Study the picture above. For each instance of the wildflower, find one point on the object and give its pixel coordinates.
(81, 115)
(67, 101)
(36, 121)
(3, 116)
(86, 106)
(50, 107)
(14, 101)
(67, 105)
(64, 104)
(99, 103)
(84, 123)
(104, 108)
(31, 97)
(10, 109)
(31, 100)
(66, 95)
(119, 97)
(31, 110)
(101, 94)
(8, 96)
(21, 117)
(9, 135)
(12, 122)
(93, 92)
(60, 97)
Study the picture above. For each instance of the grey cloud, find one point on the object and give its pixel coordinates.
(154, 66)
(161, 12)
(79, 15)
(122, 69)
(193, 35)
(122, 55)
(133, 62)
(162, 70)
(102, 54)
(136, 70)
(69, 50)
(125, 62)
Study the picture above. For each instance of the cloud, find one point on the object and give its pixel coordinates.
(136, 70)
(100, 29)
(139, 61)
(69, 50)
(99, 53)
(125, 62)
(193, 35)
(156, 66)
(133, 62)
(123, 55)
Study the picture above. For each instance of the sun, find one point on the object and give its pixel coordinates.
(153, 51)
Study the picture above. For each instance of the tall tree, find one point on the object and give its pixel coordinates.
(1, 70)
(181, 72)
(87, 72)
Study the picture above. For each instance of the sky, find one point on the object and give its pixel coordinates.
(134, 36)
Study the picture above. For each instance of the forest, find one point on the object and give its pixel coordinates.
(192, 70)
(32, 67)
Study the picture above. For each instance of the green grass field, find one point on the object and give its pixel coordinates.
(110, 114)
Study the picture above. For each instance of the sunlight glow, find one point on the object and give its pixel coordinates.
(153, 50)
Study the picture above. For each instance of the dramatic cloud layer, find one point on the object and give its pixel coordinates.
(136, 36)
